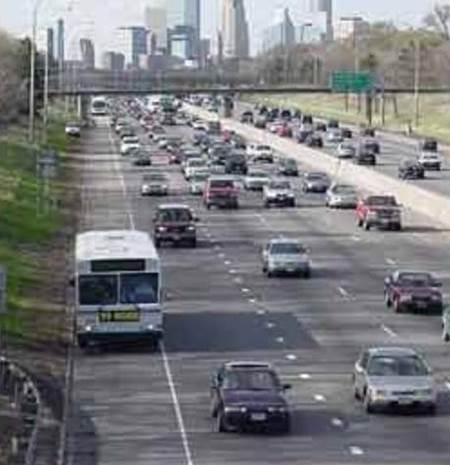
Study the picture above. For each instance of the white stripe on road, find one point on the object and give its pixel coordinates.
(391, 262)
(342, 291)
(355, 450)
(388, 331)
(319, 398)
(337, 422)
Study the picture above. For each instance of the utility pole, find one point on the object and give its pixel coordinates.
(417, 66)
(46, 77)
(32, 75)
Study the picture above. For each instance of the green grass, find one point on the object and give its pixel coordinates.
(26, 227)
(434, 111)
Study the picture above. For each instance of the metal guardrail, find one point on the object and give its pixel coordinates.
(24, 397)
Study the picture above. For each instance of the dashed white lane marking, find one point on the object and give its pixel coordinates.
(388, 331)
(447, 385)
(270, 325)
(337, 422)
(280, 340)
(227, 262)
(245, 290)
(304, 376)
(319, 398)
(390, 261)
(342, 291)
(232, 271)
(261, 312)
(238, 280)
(356, 239)
(355, 450)
(291, 357)
(221, 255)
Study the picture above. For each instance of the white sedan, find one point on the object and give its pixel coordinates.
(129, 144)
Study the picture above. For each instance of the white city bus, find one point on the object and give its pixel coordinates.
(118, 287)
(99, 106)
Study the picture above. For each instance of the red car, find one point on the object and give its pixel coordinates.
(381, 211)
(220, 191)
(284, 130)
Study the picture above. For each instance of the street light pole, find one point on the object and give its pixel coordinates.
(32, 74)
(417, 66)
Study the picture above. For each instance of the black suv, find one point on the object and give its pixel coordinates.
(248, 394)
(236, 163)
(175, 224)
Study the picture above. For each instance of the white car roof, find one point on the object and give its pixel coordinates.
(392, 351)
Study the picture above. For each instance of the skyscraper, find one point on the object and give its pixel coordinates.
(50, 44)
(156, 23)
(324, 6)
(87, 53)
(234, 29)
(281, 32)
(185, 13)
(60, 44)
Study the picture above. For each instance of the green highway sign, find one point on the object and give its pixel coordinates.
(349, 81)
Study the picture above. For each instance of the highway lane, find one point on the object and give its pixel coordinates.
(394, 149)
(220, 307)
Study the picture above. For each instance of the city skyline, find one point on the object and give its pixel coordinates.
(82, 20)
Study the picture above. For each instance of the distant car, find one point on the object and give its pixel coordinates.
(284, 130)
(192, 166)
(278, 192)
(142, 159)
(428, 145)
(369, 143)
(129, 144)
(430, 160)
(365, 156)
(413, 291)
(394, 377)
(381, 211)
(347, 133)
(198, 182)
(176, 224)
(156, 130)
(321, 127)
(314, 141)
(287, 167)
(236, 163)
(341, 196)
(411, 169)
(73, 129)
(256, 180)
(332, 124)
(221, 191)
(367, 132)
(248, 395)
(345, 150)
(247, 117)
(260, 153)
(334, 136)
(285, 257)
(302, 134)
(155, 184)
(260, 122)
(316, 182)
(200, 126)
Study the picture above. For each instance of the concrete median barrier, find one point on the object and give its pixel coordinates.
(416, 198)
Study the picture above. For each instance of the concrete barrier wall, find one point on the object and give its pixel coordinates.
(423, 201)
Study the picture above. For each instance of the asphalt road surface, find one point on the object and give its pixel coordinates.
(135, 407)
(394, 149)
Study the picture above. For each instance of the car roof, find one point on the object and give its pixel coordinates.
(174, 206)
(391, 351)
(248, 365)
(284, 240)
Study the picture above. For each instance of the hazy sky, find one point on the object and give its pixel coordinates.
(99, 19)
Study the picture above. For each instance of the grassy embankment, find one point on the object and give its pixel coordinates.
(26, 228)
(434, 111)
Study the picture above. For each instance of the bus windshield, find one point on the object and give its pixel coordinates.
(135, 288)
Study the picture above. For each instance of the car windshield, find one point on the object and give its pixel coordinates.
(175, 215)
(263, 148)
(258, 174)
(344, 190)
(251, 380)
(410, 365)
(199, 177)
(222, 184)
(154, 178)
(279, 185)
(290, 163)
(97, 289)
(381, 201)
(130, 140)
(139, 288)
(287, 248)
(415, 279)
(430, 145)
(316, 176)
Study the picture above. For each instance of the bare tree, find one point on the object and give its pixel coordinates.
(439, 20)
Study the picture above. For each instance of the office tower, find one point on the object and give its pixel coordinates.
(113, 61)
(87, 53)
(60, 44)
(324, 6)
(234, 29)
(156, 23)
(50, 44)
(281, 32)
(185, 13)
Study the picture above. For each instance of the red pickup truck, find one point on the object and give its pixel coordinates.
(381, 211)
(221, 191)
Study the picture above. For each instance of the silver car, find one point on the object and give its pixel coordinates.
(334, 136)
(278, 192)
(256, 180)
(341, 196)
(345, 150)
(394, 377)
(198, 182)
(285, 257)
(155, 184)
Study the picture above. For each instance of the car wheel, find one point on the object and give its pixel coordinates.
(208, 206)
(368, 407)
(307, 274)
(431, 409)
(157, 243)
(360, 222)
(292, 204)
(269, 274)
(366, 226)
(397, 306)
(387, 300)
(193, 243)
(266, 205)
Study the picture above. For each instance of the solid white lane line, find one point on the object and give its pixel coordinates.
(176, 405)
(355, 450)
(388, 331)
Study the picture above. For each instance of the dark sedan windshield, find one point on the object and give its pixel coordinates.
(415, 279)
(397, 366)
(381, 201)
(282, 249)
(253, 380)
(175, 214)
